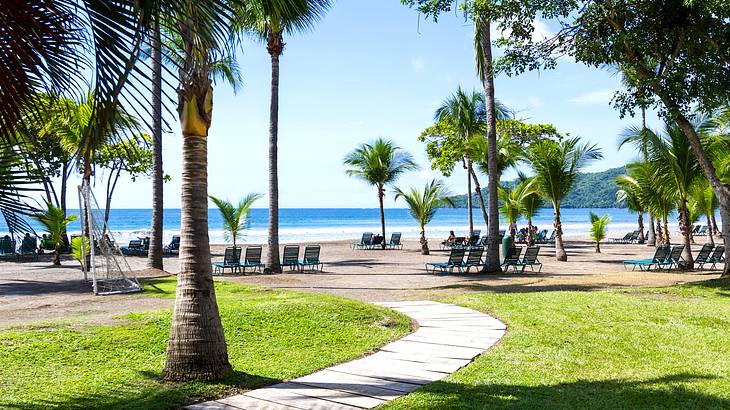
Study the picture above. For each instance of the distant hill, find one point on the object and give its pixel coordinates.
(592, 190)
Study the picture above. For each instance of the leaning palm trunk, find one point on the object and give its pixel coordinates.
(666, 240)
(560, 254)
(685, 228)
(651, 240)
(487, 77)
(381, 195)
(710, 237)
(275, 46)
(530, 236)
(424, 242)
(469, 199)
(197, 345)
(155, 252)
(641, 227)
(480, 197)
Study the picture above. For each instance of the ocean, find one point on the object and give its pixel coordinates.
(322, 224)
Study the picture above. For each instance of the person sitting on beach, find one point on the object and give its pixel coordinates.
(450, 240)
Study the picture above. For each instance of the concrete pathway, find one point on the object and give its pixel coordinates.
(447, 339)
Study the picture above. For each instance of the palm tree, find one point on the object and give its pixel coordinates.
(703, 199)
(640, 137)
(530, 201)
(154, 258)
(54, 220)
(423, 204)
(598, 229)
(379, 164)
(268, 21)
(197, 348)
(658, 200)
(679, 169)
(510, 206)
(556, 166)
(629, 194)
(235, 217)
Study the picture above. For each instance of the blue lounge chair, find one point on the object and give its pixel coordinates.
(7, 246)
(529, 259)
(28, 248)
(703, 256)
(717, 256)
(311, 259)
(675, 258)
(134, 247)
(174, 247)
(512, 258)
(473, 259)
(231, 260)
(660, 256)
(365, 242)
(456, 261)
(290, 257)
(394, 242)
(252, 259)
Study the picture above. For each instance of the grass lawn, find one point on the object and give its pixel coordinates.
(640, 349)
(271, 335)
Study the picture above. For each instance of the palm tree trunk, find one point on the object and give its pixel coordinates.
(651, 240)
(196, 348)
(154, 259)
(424, 242)
(64, 187)
(492, 258)
(275, 48)
(713, 225)
(469, 199)
(685, 227)
(667, 239)
(598, 246)
(560, 254)
(530, 237)
(711, 235)
(480, 197)
(381, 194)
(641, 228)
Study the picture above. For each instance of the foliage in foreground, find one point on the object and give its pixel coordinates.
(271, 335)
(639, 348)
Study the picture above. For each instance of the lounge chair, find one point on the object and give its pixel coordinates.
(459, 242)
(703, 257)
(625, 238)
(512, 258)
(28, 249)
(456, 261)
(473, 241)
(675, 258)
(134, 247)
(231, 260)
(484, 242)
(7, 246)
(394, 242)
(529, 259)
(252, 259)
(717, 256)
(695, 229)
(702, 231)
(290, 257)
(365, 242)
(311, 259)
(174, 247)
(477, 232)
(502, 233)
(473, 259)
(660, 256)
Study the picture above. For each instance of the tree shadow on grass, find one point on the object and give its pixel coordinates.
(663, 392)
(154, 394)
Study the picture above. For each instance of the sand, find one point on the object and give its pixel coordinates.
(37, 291)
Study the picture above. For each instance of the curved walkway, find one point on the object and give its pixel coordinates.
(447, 339)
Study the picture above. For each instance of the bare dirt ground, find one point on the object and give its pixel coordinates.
(37, 292)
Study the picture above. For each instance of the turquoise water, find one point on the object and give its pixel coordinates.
(313, 224)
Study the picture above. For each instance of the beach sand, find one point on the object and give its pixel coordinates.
(37, 292)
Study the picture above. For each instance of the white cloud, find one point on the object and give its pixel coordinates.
(534, 102)
(418, 65)
(594, 97)
(541, 31)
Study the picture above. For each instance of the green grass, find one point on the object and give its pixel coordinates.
(271, 335)
(639, 349)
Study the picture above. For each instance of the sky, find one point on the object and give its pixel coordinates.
(370, 68)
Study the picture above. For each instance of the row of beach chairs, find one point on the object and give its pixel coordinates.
(252, 259)
(630, 237)
(141, 247)
(28, 248)
(666, 257)
(474, 260)
(370, 241)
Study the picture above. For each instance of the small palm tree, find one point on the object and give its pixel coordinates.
(423, 204)
(379, 164)
(235, 218)
(510, 206)
(55, 221)
(598, 229)
(531, 203)
(556, 166)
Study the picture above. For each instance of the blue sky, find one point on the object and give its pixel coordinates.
(368, 70)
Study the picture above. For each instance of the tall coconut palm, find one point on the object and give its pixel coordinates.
(679, 169)
(658, 200)
(235, 217)
(379, 164)
(556, 166)
(423, 204)
(197, 348)
(629, 194)
(703, 199)
(268, 21)
(154, 258)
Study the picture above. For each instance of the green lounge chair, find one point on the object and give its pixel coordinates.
(290, 257)
(473, 259)
(231, 260)
(529, 259)
(174, 247)
(394, 242)
(134, 247)
(28, 249)
(365, 242)
(311, 259)
(456, 261)
(674, 259)
(7, 246)
(512, 258)
(703, 256)
(717, 256)
(660, 256)
(252, 259)
(702, 231)
(459, 242)
(625, 238)
(473, 241)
